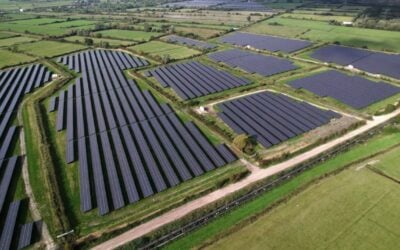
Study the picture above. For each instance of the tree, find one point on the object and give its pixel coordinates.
(88, 41)
(245, 143)
(165, 59)
(248, 18)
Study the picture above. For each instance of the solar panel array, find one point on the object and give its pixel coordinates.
(196, 3)
(253, 63)
(190, 42)
(272, 118)
(128, 145)
(354, 91)
(244, 6)
(264, 42)
(14, 84)
(373, 62)
(193, 79)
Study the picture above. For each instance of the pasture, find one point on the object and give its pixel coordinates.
(161, 49)
(111, 42)
(15, 40)
(8, 58)
(49, 48)
(341, 212)
(318, 31)
(134, 35)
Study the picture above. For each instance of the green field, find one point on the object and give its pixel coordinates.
(112, 42)
(46, 26)
(49, 48)
(337, 18)
(8, 58)
(133, 35)
(388, 163)
(4, 35)
(318, 31)
(352, 210)
(15, 40)
(160, 49)
(221, 226)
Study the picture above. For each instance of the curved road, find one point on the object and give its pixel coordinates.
(256, 175)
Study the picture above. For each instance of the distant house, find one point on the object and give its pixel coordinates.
(347, 23)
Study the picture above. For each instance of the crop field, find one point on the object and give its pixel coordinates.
(361, 200)
(4, 35)
(315, 17)
(189, 42)
(15, 40)
(133, 35)
(318, 31)
(201, 32)
(111, 42)
(8, 58)
(49, 48)
(162, 49)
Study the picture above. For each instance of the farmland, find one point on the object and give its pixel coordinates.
(49, 48)
(159, 50)
(138, 36)
(142, 121)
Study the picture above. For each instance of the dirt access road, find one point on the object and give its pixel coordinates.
(256, 175)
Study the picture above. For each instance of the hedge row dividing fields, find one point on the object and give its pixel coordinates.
(14, 84)
(128, 145)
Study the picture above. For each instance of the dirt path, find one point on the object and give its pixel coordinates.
(256, 175)
(33, 206)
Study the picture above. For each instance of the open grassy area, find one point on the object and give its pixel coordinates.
(133, 35)
(4, 35)
(388, 163)
(46, 26)
(161, 49)
(8, 58)
(224, 224)
(15, 40)
(49, 48)
(111, 42)
(352, 210)
(203, 33)
(315, 17)
(318, 31)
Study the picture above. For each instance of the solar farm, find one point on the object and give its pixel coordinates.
(14, 84)
(272, 118)
(193, 79)
(253, 63)
(162, 151)
(369, 61)
(171, 124)
(354, 91)
(264, 42)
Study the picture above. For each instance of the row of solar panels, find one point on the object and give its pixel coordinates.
(354, 91)
(193, 79)
(373, 62)
(190, 42)
(120, 60)
(90, 114)
(128, 145)
(272, 118)
(253, 63)
(12, 236)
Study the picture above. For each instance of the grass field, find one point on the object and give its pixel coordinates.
(224, 224)
(15, 40)
(112, 42)
(46, 26)
(157, 48)
(388, 163)
(8, 58)
(49, 48)
(325, 18)
(133, 35)
(203, 33)
(4, 35)
(352, 210)
(318, 31)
